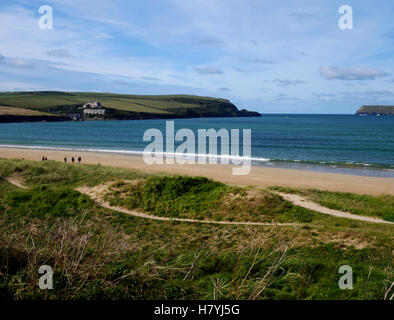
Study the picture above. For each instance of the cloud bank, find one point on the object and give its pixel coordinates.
(350, 73)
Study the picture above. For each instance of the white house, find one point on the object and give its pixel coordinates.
(92, 104)
(100, 111)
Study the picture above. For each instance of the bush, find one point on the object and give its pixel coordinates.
(174, 196)
(45, 201)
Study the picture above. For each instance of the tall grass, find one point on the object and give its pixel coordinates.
(59, 174)
(101, 254)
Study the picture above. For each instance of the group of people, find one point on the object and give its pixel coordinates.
(73, 159)
(44, 158)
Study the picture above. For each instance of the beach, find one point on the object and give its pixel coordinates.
(259, 176)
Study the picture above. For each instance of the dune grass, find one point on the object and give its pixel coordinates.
(101, 254)
(202, 198)
(59, 174)
(375, 206)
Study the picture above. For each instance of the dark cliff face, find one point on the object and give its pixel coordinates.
(247, 113)
(375, 110)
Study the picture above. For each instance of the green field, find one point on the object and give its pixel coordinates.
(21, 112)
(123, 106)
(97, 253)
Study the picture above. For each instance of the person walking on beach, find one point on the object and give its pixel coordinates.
(79, 159)
(46, 158)
(72, 159)
(43, 158)
(65, 159)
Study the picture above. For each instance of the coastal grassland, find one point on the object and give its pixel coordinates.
(98, 253)
(45, 99)
(122, 106)
(21, 112)
(375, 206)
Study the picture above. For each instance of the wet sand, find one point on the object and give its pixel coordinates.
(258, 176)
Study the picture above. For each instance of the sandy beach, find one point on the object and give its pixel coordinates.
(258, 176)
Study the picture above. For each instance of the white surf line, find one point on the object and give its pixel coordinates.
(151, 217)
(177, 155)
(302, 202)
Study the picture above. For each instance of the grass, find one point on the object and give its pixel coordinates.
(119, 106)
(21, 112)
(43, 201)
(375, 206)
(64, 175)
(101, 254)
(203, 198)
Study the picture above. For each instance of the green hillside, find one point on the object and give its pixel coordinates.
(18, 114)
(124, 106)
(375, 110)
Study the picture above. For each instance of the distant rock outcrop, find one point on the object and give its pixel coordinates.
(375, 110)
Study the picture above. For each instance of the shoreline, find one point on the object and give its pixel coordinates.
(358, 169)
(259, 176)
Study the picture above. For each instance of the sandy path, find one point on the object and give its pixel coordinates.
(259, 176)
(15, 182)
(302, 202)
(95, 193)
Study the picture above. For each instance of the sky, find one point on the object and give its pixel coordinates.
(274, 56)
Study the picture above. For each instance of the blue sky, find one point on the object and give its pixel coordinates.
(272, 56)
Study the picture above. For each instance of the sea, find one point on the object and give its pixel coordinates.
(350, 144)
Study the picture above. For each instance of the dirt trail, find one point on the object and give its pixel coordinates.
(302, 202)
(95, 193)
(14, 181)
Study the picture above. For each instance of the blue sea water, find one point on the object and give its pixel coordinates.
(360, 145)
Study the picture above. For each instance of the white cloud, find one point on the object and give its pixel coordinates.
(224, 89)
(150, 78)
(324, 95)
(208, 41)
(139, 42)
(121, 82)
(288, 82)
(350, 73)
(259, 60)
(18, 63)
(208, 70)
(302, 16)
(284, 97)
(59, 53)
